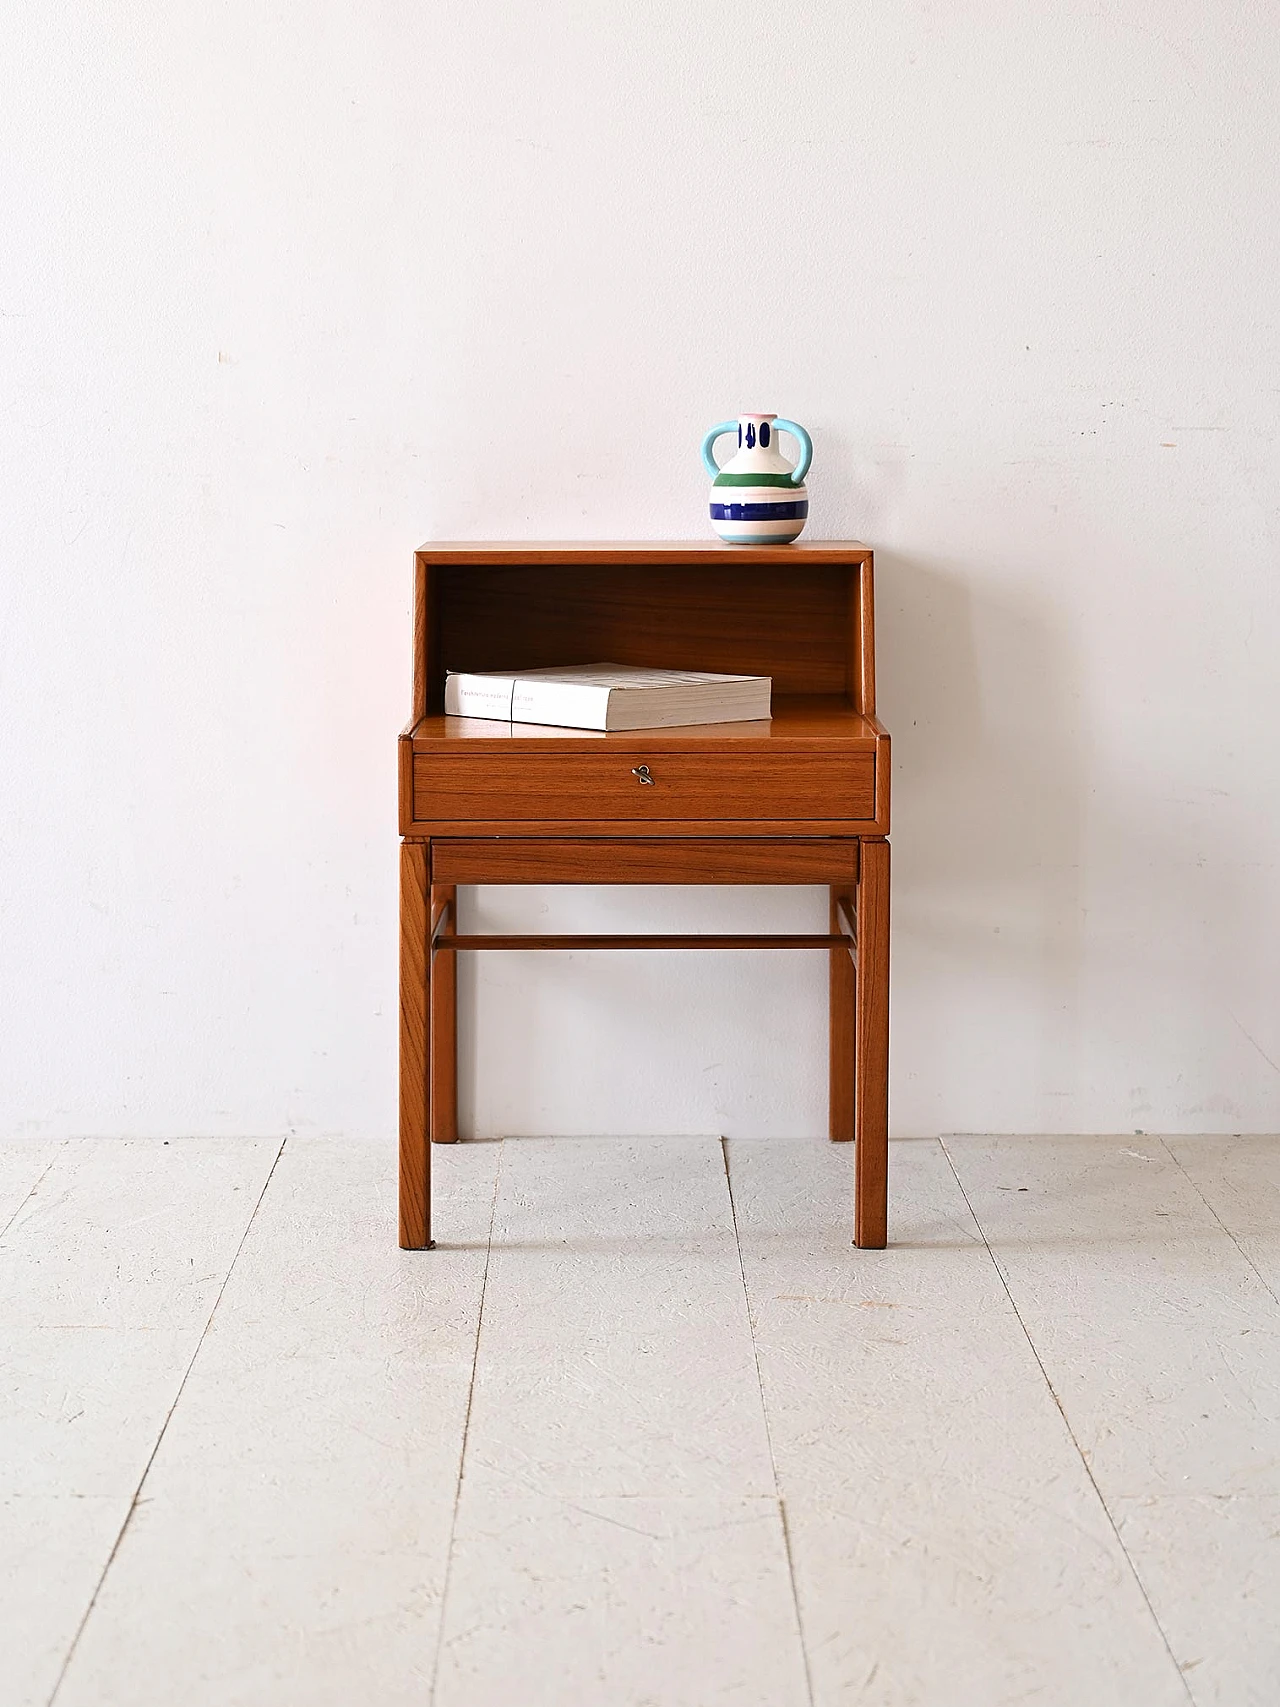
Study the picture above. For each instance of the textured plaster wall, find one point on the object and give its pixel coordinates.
(286, 289)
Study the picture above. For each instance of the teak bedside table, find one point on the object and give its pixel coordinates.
(803, 798)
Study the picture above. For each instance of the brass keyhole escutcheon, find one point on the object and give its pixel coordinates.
(642, 771)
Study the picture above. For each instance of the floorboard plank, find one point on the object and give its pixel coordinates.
(1160, 1339)
(619, 1538)
(1163, 1345)
(1239, 1178)
(680, 1601)
(81, 1409)
(616, 1354)
(108, 1271)
(1212, 1569)
(291, 1539)
(52, 1550)
(131, 1233)
(946, 1541)
(22, 1162)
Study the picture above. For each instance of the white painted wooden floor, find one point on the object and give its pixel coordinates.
(640, 1434)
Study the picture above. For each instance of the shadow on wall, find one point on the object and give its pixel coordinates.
(990, 772)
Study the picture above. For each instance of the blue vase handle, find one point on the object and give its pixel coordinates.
(708, 439)
(806, 448)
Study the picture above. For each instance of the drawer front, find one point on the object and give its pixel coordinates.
(572, 787)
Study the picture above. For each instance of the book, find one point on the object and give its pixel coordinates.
(607, 696)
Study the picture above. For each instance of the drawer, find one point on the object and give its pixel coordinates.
(571, 787)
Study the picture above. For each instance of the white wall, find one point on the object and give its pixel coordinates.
(285, 290)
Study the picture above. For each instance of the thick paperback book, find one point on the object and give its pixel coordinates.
(607, 696)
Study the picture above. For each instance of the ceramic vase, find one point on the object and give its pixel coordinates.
(757, 498)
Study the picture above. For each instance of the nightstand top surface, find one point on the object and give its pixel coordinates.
(805, 721)
(636, 551)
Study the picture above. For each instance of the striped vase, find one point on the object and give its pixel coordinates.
(757, 498)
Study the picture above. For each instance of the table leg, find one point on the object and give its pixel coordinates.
(415, 1048)
(871, 1070)
(841, 1046)
(444, 1028)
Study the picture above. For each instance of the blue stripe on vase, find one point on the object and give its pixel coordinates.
(760, 512)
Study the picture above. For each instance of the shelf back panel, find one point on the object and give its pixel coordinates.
(796, 622)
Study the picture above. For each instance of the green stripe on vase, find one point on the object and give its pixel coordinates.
(752, 480)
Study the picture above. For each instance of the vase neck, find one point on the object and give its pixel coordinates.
(755, 431)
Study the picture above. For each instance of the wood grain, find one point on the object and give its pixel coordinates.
(842, 1023)
(783, 800)
(608, 830)
(721, 860)
(404, 782)
(415, 1086)
(871, 1066)
(884, 775)
(454, 943)
(601, 786)
(735, 615)
(649, 551)
(865, 640)
(420, 578)
(444, 1024)
(798, 720)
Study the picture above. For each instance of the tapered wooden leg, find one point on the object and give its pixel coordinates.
(871, 1067)
(415, 1048)
(444, 1029)
(840, 1102)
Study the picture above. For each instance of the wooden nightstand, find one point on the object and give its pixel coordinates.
(803, 798)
